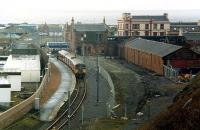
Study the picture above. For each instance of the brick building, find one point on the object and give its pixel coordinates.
(94, 37)
(143, 25)
(161, 57)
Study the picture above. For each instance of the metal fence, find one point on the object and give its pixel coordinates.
(170, 73)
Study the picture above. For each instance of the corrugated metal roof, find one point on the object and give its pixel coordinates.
(153, 18)
(90, 27)
(158, 48)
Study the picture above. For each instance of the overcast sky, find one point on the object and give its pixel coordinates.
(57, 10)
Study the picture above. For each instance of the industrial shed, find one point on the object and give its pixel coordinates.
(160, 57)
(28, 65)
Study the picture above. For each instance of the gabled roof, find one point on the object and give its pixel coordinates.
(158, 48)
(90, 27)
(153, 18)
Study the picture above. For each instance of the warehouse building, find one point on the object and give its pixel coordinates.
(162, 58)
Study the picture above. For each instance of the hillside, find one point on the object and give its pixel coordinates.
(183, 114)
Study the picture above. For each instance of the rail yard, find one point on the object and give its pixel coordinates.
(142, 73)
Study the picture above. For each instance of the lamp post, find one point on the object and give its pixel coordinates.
(83, 46)
(149, 109)
(97, 78)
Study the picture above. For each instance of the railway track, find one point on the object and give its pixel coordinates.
(77, 99)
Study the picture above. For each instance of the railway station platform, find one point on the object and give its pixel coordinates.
(68, 81)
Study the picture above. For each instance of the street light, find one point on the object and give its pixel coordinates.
(83, 46)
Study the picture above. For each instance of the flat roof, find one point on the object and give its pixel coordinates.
(22, 62)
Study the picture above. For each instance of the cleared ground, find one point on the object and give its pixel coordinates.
(134, 85)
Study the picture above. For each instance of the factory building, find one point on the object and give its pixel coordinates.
(5, 92)
(162, 58)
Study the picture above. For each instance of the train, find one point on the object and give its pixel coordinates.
(76, 64)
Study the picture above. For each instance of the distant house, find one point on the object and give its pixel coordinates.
(143, 25)
(162, 58)
(27, 27)
(94, 37)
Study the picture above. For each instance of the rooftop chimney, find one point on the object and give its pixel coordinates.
(166, 15)
(126, 15)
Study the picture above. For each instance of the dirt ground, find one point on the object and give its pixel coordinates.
(134, 86)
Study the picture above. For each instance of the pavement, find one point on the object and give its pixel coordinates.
(50, 109)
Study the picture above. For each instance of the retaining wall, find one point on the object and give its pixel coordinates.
(18, 111)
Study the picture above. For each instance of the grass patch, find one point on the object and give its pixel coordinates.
(27, 123)
(106, 124)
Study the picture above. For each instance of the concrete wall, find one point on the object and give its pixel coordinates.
(5, 95)
(144, 59)
(18, 111)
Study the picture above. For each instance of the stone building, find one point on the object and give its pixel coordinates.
(92, 36)
(143, 25)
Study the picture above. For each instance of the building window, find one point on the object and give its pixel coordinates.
(162, 26)
(126, 33)
(126, 26)
(162, 33)
(155, 26)
(146, 26)
(136, 33)
(136, 26)
(154, 33)
(146, 33)
(119, 26)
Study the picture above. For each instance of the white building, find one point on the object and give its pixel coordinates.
(5, 92)
(28, 65)
(14, 78)
(143, 25)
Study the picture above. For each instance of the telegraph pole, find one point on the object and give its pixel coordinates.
(97, 78)
(82, 114)
(69, 123)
